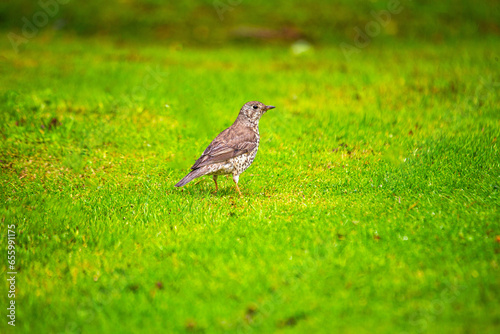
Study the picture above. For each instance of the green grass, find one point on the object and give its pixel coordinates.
(372, 205)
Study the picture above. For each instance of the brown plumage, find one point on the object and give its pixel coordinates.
(234, 149)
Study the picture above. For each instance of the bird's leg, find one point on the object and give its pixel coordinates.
(215, 180)
(235, 179)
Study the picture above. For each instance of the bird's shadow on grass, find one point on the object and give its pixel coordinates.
(206, 189)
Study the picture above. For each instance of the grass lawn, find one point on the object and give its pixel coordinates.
(372, 206)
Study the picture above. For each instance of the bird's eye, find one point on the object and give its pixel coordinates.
(255, 107)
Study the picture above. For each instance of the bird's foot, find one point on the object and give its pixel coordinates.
(235, 179)
(238, 188)
(216, 186)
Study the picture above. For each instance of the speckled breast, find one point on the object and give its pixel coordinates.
(236, 165)
(242, 162)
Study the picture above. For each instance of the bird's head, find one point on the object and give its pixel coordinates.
(252, 112)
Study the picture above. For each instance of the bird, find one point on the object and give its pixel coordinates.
(233, 150)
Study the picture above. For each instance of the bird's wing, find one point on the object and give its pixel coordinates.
(230, 143)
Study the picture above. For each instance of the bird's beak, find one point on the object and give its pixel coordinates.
(270, 107)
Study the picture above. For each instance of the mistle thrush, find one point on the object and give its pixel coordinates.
(233, 150)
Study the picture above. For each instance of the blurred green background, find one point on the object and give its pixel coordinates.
(209, 22)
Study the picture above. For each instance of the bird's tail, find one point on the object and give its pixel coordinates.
(191, 176)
